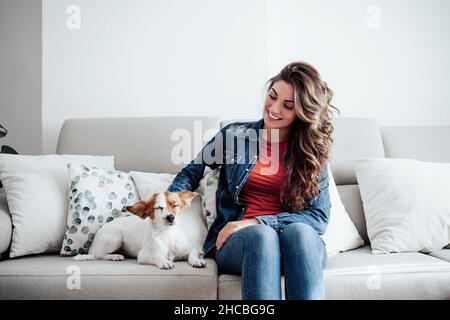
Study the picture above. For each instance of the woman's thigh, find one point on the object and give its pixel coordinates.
(251, 240)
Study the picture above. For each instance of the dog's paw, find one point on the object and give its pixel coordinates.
(116, 257)
(198, 263)
(165, 264)
(83, 257)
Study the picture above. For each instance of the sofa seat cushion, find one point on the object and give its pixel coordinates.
(359, 274)
(48, 277)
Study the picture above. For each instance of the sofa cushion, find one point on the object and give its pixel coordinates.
(358, 274)
(406, 204)
(97, 196)
(37, 193)
(141, 144)
(47, 276)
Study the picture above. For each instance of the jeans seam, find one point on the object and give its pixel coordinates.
(244, 268)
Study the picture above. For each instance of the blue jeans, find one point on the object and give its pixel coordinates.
(258, 253)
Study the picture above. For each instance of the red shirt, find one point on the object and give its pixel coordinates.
(261, 191)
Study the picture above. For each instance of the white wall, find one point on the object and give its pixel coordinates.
(212, 57)
(146, 58)
(20, 74)
(398, 74)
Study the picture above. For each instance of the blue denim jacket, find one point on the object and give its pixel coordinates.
(235, 149)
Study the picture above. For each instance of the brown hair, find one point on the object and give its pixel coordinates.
(310, 134)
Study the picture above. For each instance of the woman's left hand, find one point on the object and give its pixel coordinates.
(230, 228)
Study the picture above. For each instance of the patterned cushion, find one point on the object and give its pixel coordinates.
(96, 196)
(207, 189)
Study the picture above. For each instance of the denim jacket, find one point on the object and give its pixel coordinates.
(235, 149)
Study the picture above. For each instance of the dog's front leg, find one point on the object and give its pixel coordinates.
(155, 258)
(194, 259)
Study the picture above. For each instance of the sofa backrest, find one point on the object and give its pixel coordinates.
(145, 144)
(426, 143)
(140, 144)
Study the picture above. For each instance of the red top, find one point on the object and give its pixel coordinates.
(261, 191)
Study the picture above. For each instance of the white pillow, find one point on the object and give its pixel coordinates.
(96, 196)
(406, 204)
(341, 234)
(192, 218)
(37, 194)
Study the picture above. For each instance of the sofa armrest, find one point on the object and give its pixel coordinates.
(5, 225)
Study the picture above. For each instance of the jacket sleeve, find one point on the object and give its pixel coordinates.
(316, 212)
(211, 155)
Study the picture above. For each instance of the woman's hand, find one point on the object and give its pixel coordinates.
(230, 228)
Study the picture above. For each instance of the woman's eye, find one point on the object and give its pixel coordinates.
(289, 107)
(272, 97)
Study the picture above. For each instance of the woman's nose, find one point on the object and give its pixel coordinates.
(276, 108)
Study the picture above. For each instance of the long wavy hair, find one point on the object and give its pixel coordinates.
(309, 139)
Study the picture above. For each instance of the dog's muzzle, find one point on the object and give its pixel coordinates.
(170, 218)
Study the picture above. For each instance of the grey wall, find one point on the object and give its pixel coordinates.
(21, 74)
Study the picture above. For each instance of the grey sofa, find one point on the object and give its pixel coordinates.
(144, 144)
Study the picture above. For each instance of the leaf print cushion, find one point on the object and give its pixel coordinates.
(208, 187)
(96, 196)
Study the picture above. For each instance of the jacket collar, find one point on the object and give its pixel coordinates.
(257, 125)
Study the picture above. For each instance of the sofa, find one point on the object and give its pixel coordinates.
(144, 144)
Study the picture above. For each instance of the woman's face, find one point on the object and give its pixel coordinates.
(279, 108)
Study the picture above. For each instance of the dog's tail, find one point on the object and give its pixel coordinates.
(84, 257)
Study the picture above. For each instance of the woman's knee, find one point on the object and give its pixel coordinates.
(260, 236)
(300, 233)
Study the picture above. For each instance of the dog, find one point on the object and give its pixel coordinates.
(152, 234)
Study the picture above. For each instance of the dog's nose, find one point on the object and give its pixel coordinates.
(170, 218)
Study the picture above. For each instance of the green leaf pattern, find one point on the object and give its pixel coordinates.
(97, 196)
(207, 189)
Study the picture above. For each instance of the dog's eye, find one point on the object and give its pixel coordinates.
(159, 208)
(176, 205)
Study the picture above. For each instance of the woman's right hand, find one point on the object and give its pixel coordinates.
(230, 228)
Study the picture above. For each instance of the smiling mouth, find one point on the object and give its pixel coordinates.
(271, 116)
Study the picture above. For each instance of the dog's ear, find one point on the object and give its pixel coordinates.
(144, 209)
(186, 198)
(139, 209)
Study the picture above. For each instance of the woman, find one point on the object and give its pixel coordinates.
(272, 200)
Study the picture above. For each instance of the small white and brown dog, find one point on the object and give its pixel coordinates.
(153, 234)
